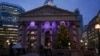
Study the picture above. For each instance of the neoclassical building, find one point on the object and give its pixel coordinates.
(39, 25)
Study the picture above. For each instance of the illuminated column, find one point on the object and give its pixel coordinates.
(36, 42)
(33, 27)
(74, 32)
(42, 34)
(27, 35)
(46, 26)
(20, 32)
(54, 31)
(51, 35)
(47, 32)
(48, 29)
(68, 24)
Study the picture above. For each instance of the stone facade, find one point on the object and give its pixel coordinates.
(42, 15)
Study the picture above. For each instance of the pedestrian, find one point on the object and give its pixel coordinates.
(41, 50)
(48, 51)
(11, 51)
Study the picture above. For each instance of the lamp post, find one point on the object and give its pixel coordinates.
(8, 43)
(81, 43)
(97, 26)
(69, 45)
(85, 45)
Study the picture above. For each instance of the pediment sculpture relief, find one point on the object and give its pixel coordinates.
(48, 11)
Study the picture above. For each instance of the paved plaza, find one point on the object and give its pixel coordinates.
(30, 54)
(73, 53)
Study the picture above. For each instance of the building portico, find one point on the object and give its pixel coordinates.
(39, 26)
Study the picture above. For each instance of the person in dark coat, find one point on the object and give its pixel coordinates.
(11, 51)
(48, 51)
(41, 50)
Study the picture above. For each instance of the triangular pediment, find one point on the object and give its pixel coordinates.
(48, 10)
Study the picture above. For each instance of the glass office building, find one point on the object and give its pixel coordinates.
(8, 22)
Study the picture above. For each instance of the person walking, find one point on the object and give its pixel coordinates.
(11, 51)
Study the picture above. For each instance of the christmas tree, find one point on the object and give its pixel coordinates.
(63, 37)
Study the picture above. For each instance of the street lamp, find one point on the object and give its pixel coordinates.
(8, 43)
(97, 26)
(81, 43)
(69, 45)
(86, 45)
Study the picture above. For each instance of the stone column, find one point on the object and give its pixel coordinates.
(54, 32)
(39, 31)
(75, 35)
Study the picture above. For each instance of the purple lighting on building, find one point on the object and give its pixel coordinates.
(68, 23)
(32, 24)
(62, 22)
(47, 25)
(54, 24)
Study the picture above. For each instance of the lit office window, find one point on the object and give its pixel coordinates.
(12, 29)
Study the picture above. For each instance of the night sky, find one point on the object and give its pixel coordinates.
(88, 8)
